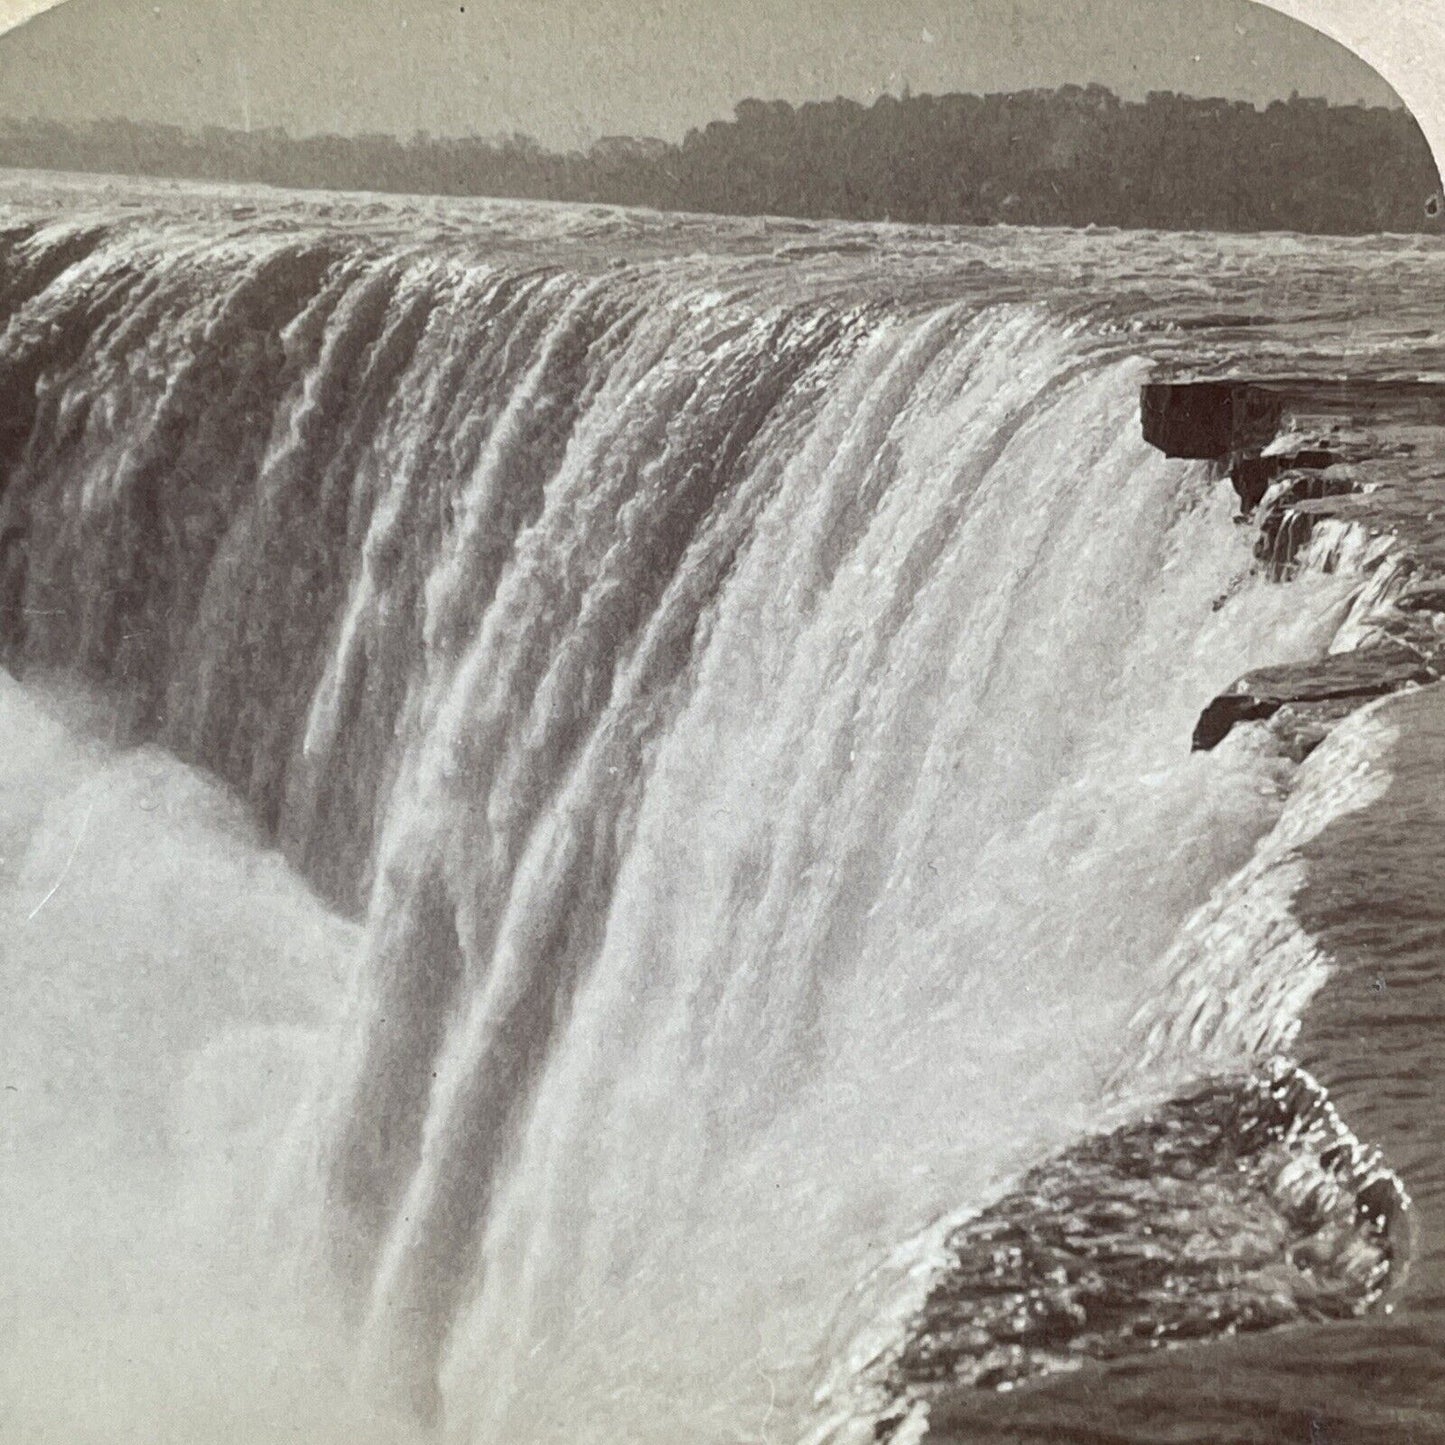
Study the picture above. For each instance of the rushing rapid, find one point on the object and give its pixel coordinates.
(586, 784)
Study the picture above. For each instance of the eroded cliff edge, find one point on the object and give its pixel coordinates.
(1298, 451)
(1323, 1262)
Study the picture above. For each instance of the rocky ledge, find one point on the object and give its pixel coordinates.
(1304, 700)
(1240, 418)
(1297, 450)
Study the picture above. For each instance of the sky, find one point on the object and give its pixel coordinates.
(568, 71)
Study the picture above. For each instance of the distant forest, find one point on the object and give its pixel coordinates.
(1074, 156)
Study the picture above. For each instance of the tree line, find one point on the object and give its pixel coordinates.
(1074, 156)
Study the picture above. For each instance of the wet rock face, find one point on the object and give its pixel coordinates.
(1341, 427)
(1218, 420)
(1318, 693)
(1423, 597)
(1245, 1205)
(1285, 527)
(1254, 476)
(1209, 420)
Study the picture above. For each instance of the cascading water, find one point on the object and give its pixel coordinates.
(738, 722)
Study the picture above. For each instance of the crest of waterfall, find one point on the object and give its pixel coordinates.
(728, 740)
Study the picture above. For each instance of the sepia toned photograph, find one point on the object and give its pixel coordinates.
(721, 724)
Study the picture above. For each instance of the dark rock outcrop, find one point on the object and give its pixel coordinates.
(1343, 681)
(1209, 420)
(1254, 476)
(1232, 421)
(1342, 427)
(1285, 527)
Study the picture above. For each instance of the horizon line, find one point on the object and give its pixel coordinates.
(906, 96)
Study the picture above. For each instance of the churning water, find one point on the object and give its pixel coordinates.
(580, 781)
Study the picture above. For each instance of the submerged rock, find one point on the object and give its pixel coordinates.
(1344, 680)
(1245, 1205)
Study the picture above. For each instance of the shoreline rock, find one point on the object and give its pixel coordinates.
(1338, 428)
(1318, 693)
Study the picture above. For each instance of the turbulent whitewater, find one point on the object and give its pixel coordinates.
(586, 789)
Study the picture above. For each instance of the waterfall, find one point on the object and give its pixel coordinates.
(728, 737)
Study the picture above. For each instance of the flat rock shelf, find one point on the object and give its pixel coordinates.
(1298, 450)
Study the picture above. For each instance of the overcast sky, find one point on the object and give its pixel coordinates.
(567, 71)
